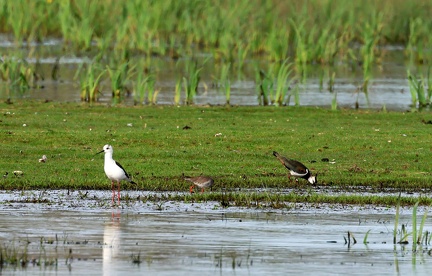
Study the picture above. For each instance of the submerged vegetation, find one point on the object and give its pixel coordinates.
(280, 39)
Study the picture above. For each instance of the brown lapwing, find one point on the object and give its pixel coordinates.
(296, 169)
(201, 182)
(114, 171)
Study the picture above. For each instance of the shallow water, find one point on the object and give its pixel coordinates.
(388, 85)
(202, 238)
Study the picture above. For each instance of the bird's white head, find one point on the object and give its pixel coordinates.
(107, 148)
(313, 179)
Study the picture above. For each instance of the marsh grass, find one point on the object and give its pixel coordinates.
(365, 239)
(414, 226)
(16, 255)
(316, 31)
(416, 86)
(90, 76)
(191, 81)
(283, 81)
(264, 85)
(225, 82)
(417, 42)
(234, 34)
(119, 80)
(16, 72)
(419, 236)
(334, 104)
(177, 93)
(371, 36)
(396, 223)
(422, 237)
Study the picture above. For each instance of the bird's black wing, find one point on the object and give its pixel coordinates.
(127, 175)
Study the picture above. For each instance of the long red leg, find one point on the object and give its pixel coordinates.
(113, 192)
(118, 192)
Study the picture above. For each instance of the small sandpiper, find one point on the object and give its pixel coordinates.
(296, 169)
(114, 171)
(200, 181)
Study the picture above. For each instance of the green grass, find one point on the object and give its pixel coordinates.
(370, 150)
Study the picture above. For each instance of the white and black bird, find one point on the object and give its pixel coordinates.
(201, 182)
(114, 171)
(296, 169)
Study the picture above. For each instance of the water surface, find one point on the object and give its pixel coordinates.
(203, 238)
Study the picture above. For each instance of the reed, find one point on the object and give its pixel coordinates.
(296, 93)
(140, 84)
(414, 225)
(89, 76)
(264, 85)
(371, 36)
(16, 72)
(225, 82)
(422, 237)
(417, 90)
(152, 91)
(334, 104)
(177, 92)
(415, 45)
(243, 50)
(429, 84)
(331, 81)
(396, 224)
(317, 32)
(119, 77)
(322, 30)
(191, 81)
(365, 239)
(278, 43)
(300, 44)
(283, 82)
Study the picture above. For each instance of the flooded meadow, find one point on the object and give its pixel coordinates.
(373, 55)
(56, 77)
(68, 232)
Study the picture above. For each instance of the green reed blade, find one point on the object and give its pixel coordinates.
(396, 224)
(365, 241)
(414, 225)
(422, 223)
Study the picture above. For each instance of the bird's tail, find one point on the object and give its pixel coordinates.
(133, 182)
(276, 154)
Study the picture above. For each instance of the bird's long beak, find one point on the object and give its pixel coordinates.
(99, 152)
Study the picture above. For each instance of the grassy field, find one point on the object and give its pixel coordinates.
(159, 144)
